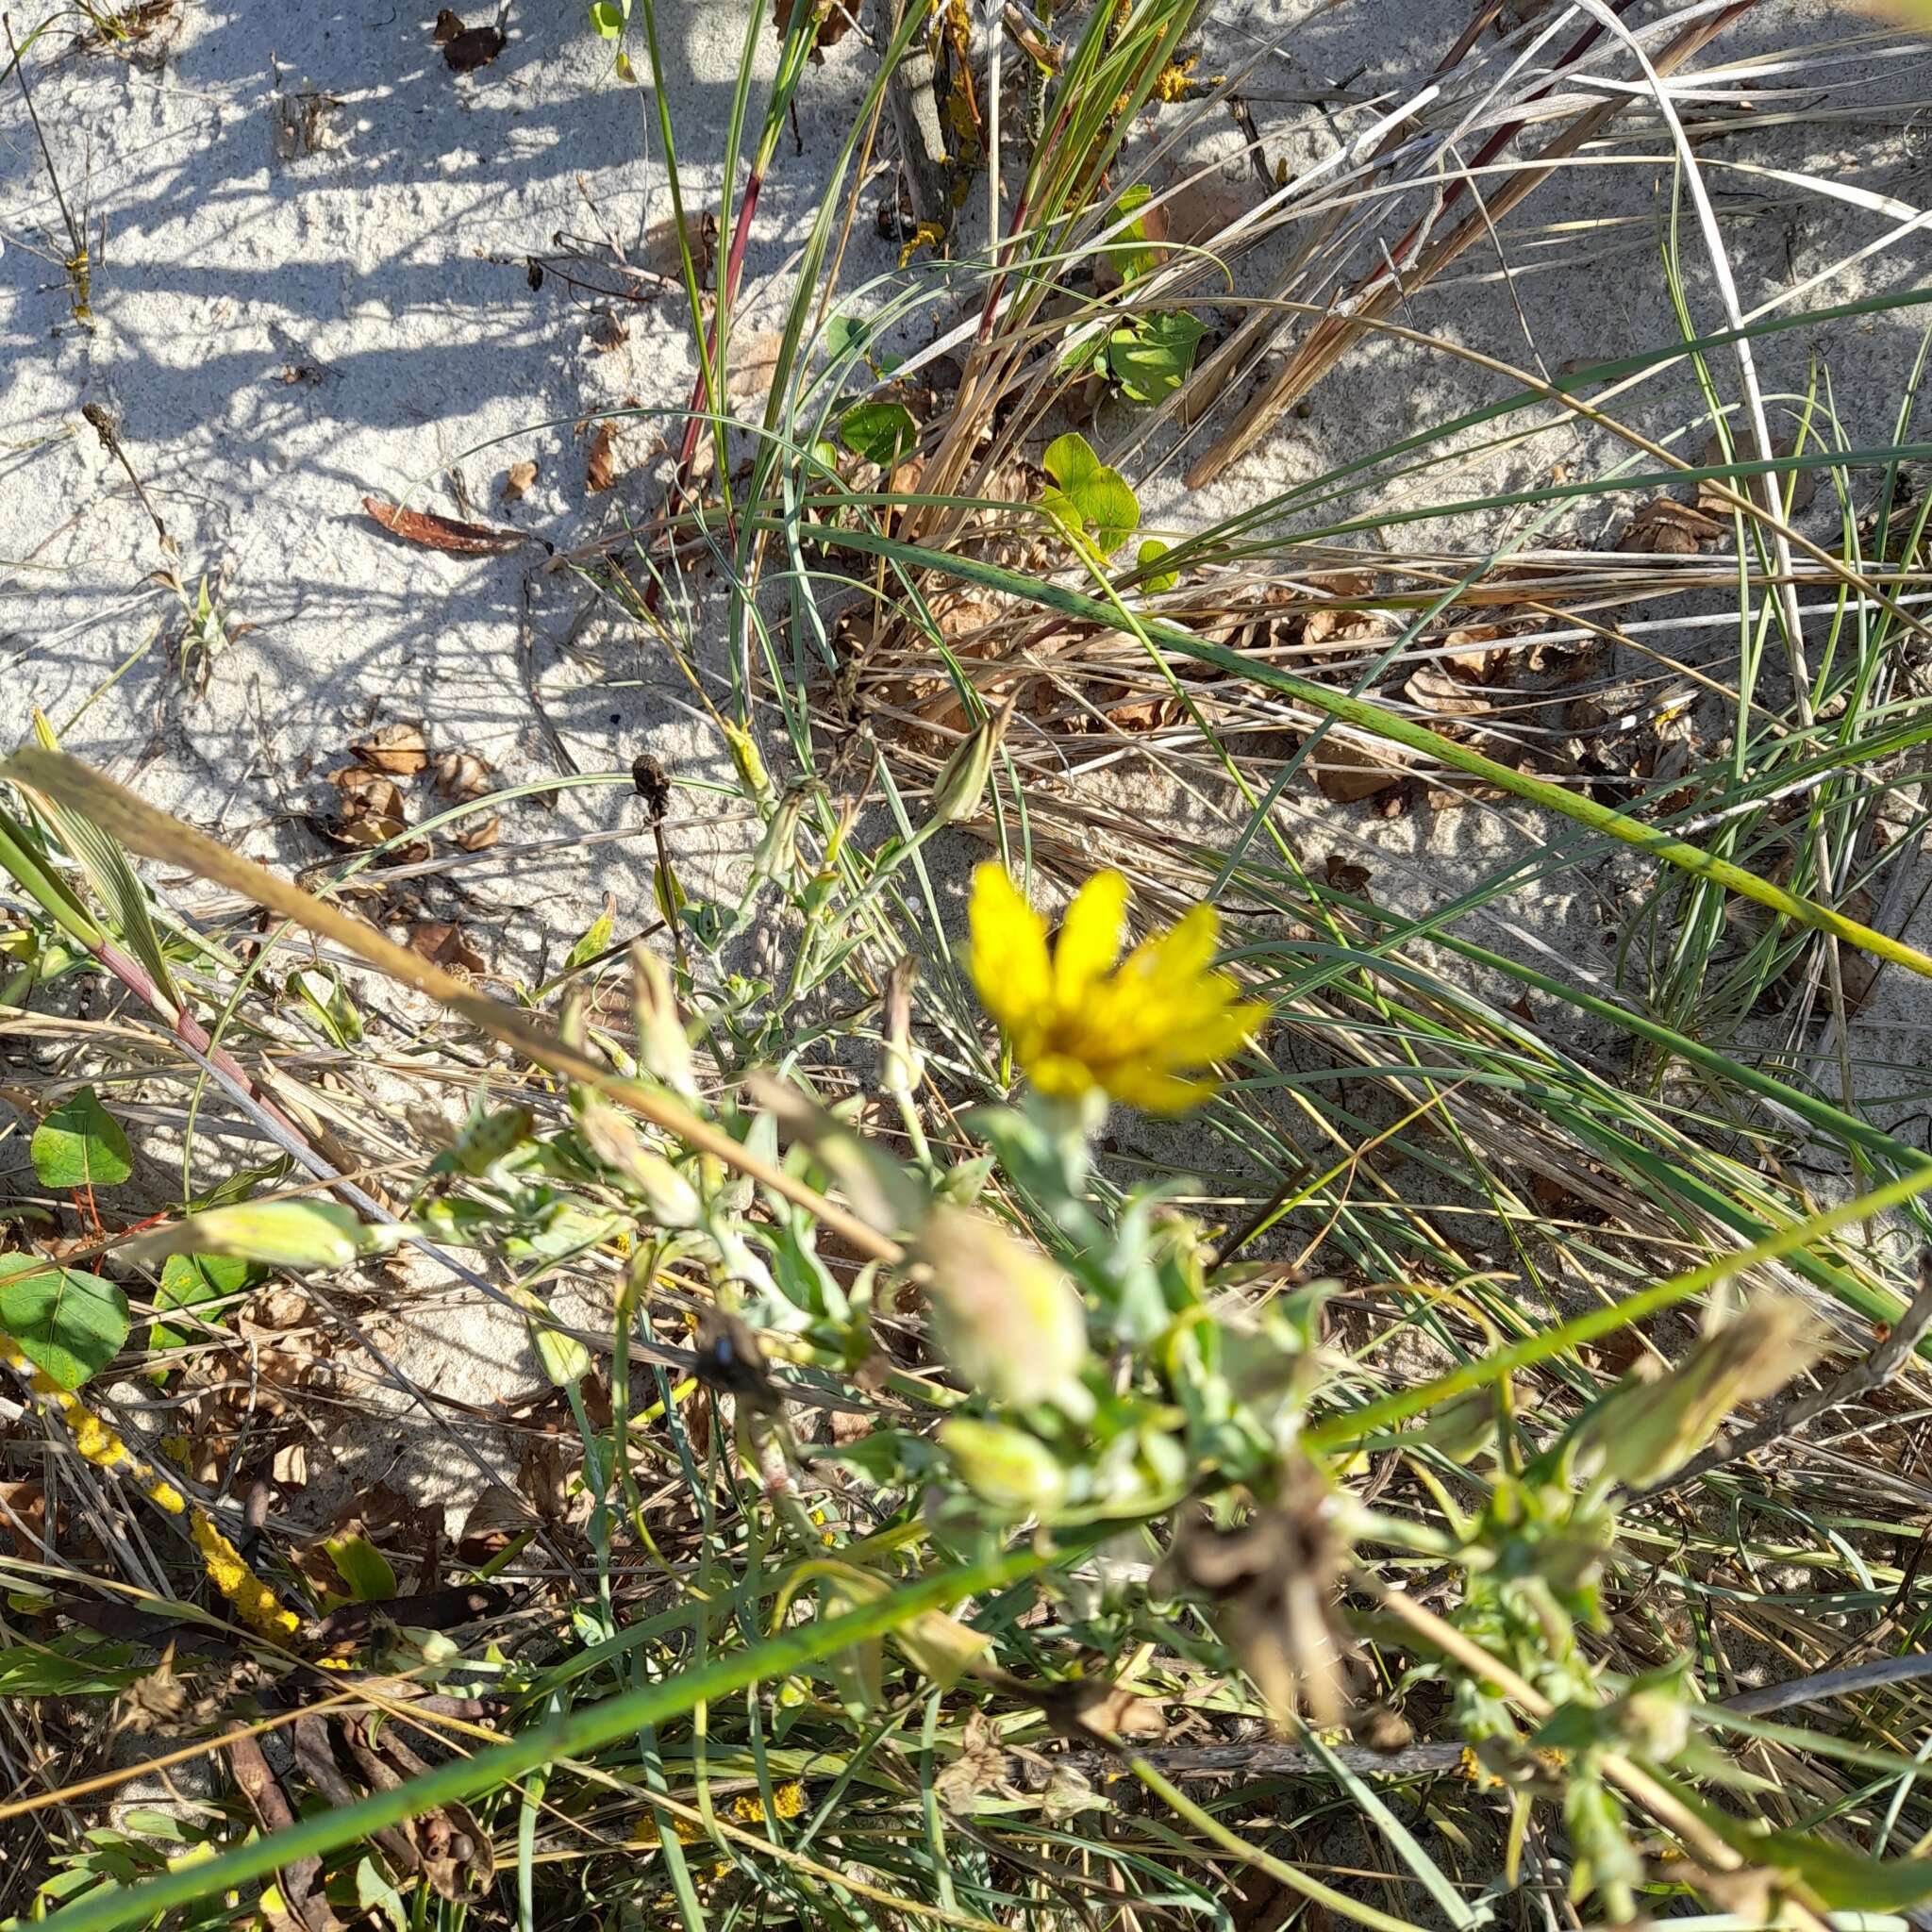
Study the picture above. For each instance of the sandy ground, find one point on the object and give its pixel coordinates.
(313, 284)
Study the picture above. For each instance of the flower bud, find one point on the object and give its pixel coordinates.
(1003, 1466)
(905, 1064)
(1644, 1431)
(961, 782)
(750, 765)
(1009, 1321)
(671, 1199)
(277, 1234)
(663, 1051)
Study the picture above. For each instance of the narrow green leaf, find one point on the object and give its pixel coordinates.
(595, 942)
(66, 1321)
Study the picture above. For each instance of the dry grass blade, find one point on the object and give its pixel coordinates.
(140, 827)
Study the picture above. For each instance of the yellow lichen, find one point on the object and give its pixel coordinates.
(255, 1602)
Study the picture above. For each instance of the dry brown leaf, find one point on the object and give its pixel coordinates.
(365, 793)
(662, 254)
(461, 774)
(752, 362)
(1468, 652)
(397, 749)
(442, 533)
(1436, 689)
(516, 482)
(1665, 528)
(1345, 875)
(467, 48)
(481, 836)
(495, 1519)
(604, 332)
(600, 460)
(446, 945)
(1349, 773)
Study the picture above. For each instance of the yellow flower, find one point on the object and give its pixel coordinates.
(1081, 1017)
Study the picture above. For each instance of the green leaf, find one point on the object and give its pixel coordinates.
(843, 334)
(1129, 251)
(607, 17)
(1070, 460)
(595, 942)
(327, 1000)
(67, 1322)
(1150, 551)
(882, 433)
(188, 1280)
(1092, 498)
(363, 1568)
(1151, 357)
(81, 1145)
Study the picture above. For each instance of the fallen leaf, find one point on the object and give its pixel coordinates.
(1436, 689)
(600, 463)
(516, 482)
(604, 332)
(1345, 875)
(362, 790)
(495, 1519)
(397, 749)
(443, 945)
(753, 362)
(481, 836)
(1665, 528)
(442, 533)
(461, 774)
(1348, 773)
(467, 48)
(662, 254)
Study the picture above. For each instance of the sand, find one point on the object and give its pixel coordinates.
(313, 283)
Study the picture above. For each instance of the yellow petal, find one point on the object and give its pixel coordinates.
(1090, 939)
(1211, 1036)
(1181, 954)
(1158, 1092)
(1009, 962)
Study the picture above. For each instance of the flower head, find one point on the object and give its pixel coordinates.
(1080, 1017)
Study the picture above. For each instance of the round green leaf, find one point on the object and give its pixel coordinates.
(65, 1320)
(879, 432)
(80, 1145)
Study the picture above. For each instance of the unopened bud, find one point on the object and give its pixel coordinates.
(750, 765)
(1003, 1466)
(668, 1197)
(905, 1064)
(277, 1234)
(1009, 1321)
(1645, 1431)
(663, 1051)
(961, 782)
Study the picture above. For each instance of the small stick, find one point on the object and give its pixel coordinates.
(103, 426)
